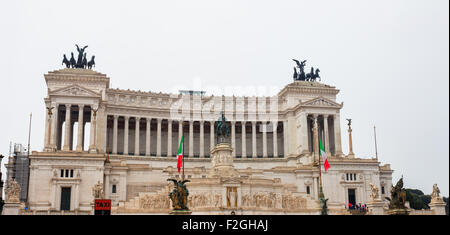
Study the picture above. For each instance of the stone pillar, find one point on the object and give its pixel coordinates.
(211, 134)
(275, 139)
(54, 128)
(327, 138)
(169, 137)
(350, 144)
(437, 205)
(147, 136)
(316, 188)
(244, 139)
(191, 138)
(254, 153)
(337, 135)
(158, 138)
(93, 145)
(68, 125)
(202, 139)
(48, 129)
(115, 131)
(136, 136)
(315, 138)
(264, 134)
(180, 131)
(80, 128)
(376, 207)
(125, 136)
(285, 138)
(233, 138)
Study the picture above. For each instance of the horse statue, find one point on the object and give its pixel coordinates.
(179, 195)
(66, 61)
(312, 76)
(84, 63)
(73, 62)
(91, 62)
(223, 129)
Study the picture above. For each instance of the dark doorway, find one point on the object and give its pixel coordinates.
(352, 196)
(65, 199)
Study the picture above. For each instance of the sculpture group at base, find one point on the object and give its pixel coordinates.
(81, 62)
(179, 195)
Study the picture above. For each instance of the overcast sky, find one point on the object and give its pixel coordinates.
(388, 58)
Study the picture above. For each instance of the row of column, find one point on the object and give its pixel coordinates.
(191, 137)
(51, 134)
(325, 135)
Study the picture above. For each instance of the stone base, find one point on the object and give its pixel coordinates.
(398, 212)
(11, 209)
(180, 212)
(376, 207)
(438, 207)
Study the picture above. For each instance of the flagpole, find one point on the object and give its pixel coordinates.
(375, 135)
(182, 159)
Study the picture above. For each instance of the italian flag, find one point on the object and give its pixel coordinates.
(323, 155)
(180, 155)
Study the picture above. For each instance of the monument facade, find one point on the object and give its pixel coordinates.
(126, 141)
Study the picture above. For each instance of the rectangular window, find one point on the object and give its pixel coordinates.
(62, 173)
(307, 190)
(382, 189)
(71, 173)
(67, 173)
(351, 176)
(354, 176)
(114, 188)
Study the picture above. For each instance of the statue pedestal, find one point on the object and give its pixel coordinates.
(398, 212)
(437, 206)
(376, 207)
(11, 208)
(222, 161)
(180, 212)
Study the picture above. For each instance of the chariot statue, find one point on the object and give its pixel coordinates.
(81, 62)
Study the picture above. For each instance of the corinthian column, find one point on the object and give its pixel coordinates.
(264, 124)
(211, 134)
(337, 135)
(93, 145)
(244, 140)
(169, 137)
(158, 137)
(68, 133)
(275, 139)
(136, 136)
(254, 153)
(233, 137)
(202, 139)
(116, 118)
(147, 136)
(327, 139)
(80, 128)
(125, 136)
(191, 138)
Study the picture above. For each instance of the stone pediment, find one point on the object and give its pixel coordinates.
(75, 90)
(321, 102)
